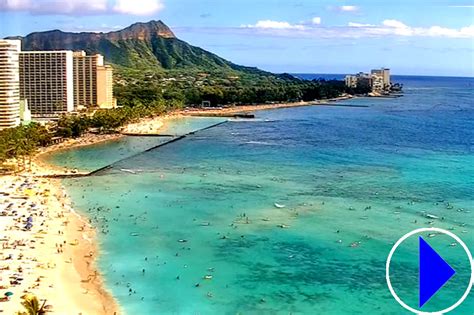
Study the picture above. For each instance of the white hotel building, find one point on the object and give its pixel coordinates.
(9, 83)
(46, 82)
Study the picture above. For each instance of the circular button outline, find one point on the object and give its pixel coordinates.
(401, 240)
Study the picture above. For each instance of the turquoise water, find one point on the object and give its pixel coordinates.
(345, 175)
(96, 156)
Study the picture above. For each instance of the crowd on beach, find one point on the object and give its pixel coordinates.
(24, 222)
(38, 248)
(146, 126)
(43, 253)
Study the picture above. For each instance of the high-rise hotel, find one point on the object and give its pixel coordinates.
(105, 87)
(9, 83)
(46, 82)
(85, 78)
(93, 81)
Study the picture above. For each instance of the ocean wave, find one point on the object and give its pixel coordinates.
(260, 143)
(419, 89)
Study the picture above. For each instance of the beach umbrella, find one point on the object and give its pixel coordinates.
(8, 293)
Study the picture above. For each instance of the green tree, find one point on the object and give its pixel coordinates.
(32, 306)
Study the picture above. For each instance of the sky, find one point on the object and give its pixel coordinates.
(418, 37)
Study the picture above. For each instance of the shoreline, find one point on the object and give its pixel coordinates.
(74, 273)
(60, 268)
(238, 109)
(55, 258)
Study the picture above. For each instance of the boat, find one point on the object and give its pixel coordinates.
(283, 226)
(207, 277)
(431, 216)
(279, 206)
(133, 234)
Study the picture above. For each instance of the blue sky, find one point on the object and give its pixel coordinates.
(411, 37)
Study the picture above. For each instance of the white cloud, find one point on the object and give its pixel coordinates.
(83, 7)
(14, 4)
(435, 31)
(394, 23)
(388, 27)
(397, 27)
(138, 7)
(355, 24)
(348, 8)
(276, 25)
(316, 20)
(91, 28)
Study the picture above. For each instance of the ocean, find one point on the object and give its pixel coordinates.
(292, 212)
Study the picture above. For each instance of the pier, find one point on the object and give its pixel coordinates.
(129, 134)
(223, 115)
(71, 174)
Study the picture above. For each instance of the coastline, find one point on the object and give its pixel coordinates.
(55, 258)
(59, 268)
(71, 274)
(238, 109)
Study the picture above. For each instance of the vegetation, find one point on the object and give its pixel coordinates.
(32, 306)
(21, 143)
(152, 64)
(220, 88)
(156, 72)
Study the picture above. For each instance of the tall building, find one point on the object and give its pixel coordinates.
(359, 80)
(46, 82)
(351, 81)
(364, 80)
(85, 79)
(384, 73)
(105, 87)
(378, 84)
(9, 83)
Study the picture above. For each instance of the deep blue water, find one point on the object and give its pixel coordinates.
(346, 175)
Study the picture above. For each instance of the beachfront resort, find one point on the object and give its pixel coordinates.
(37, 248)
(42, 85)
(377, 82)
(141, 174)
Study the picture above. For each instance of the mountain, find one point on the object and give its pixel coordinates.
(149, 45)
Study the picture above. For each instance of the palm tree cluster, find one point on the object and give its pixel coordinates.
(21, 143)
(32, 305)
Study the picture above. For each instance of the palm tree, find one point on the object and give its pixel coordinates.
(32, 306)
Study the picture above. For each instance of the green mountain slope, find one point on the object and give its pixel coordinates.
(148, 46)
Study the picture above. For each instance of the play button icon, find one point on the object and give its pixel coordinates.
(434, 272)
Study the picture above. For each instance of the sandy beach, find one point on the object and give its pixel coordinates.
(47, 250)
(146, 126)
(224, 111)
